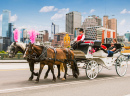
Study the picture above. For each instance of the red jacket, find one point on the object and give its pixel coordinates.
(79, 37)
(104, 47)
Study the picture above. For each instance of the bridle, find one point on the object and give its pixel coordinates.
(12, 50)
(30, 50)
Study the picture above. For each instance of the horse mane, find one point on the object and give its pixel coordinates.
(21, 45)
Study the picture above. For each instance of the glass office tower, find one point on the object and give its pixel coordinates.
(5, 23)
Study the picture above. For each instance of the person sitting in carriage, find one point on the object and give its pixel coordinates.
(104, 47)
(111, 50)
(79, 39)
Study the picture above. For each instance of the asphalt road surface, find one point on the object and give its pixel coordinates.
(14, 82)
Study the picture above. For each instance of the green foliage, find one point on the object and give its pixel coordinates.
(3, 52)
(19, 52)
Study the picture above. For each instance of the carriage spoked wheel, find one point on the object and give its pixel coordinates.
(100, 67)
(92, 69)
(121, 65)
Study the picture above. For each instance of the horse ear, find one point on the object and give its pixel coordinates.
(14, 43)
(29, 43)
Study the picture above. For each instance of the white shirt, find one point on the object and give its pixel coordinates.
(81, 38)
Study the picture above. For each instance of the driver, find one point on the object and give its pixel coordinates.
(111, 50)
(79, 39)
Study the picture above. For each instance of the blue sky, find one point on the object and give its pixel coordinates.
(38, 14)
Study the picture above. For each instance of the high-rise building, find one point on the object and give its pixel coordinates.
(5, 23)
(105, 21)
(10, 33)
(46, 36)
(54, 30)
(110, 23)
(73, 21)
(21, 34)
(92, 21)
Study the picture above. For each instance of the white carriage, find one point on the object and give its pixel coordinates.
(95, 61)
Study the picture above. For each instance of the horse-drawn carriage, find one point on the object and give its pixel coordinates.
(95, 60)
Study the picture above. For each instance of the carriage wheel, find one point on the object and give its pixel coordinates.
(92, 69)
(121, 65)
(100, 67)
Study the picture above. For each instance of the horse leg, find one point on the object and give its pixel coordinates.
(58, 76)
(46, 74)
(52, 70)
(64, 78)
(40, 70)
(31, 65)
(74, 70)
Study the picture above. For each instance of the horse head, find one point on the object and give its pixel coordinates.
(14, 48)
(29, 51)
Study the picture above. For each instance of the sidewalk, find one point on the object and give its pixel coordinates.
(13, 61)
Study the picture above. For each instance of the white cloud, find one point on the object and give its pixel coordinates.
(1, 17)
(60, 15)
(84, 13)
(124, 11)
(48, 9)
(122, 22)
(13, 18)
(55, 9)
(63, 10)
(92, 10)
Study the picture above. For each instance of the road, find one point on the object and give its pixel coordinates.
(14, 82)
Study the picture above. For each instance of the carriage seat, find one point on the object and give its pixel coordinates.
(118, 47)
(103, 53)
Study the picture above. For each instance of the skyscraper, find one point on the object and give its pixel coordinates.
(91, 21)
(54, 30)
(5, 23)
(10, 32)
(21, 35)
(73, 21)
(110, 23)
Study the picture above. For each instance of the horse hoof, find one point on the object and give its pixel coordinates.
(36, 81)
(53, 80)
(30, 79)
(58, 77)
(63, 79)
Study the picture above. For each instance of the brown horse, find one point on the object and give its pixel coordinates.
(48, 56)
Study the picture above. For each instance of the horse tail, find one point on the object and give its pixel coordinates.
(62, 67)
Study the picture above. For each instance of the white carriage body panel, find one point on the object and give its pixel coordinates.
(101, 54)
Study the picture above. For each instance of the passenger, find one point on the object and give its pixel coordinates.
(111, 50)
(79, 39)
(115, 41)
(104, 47)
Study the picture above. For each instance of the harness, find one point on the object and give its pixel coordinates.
(43, 55)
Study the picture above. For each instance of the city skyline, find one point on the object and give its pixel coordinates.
(32, 14)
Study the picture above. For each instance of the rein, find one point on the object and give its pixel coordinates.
(43, 55)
